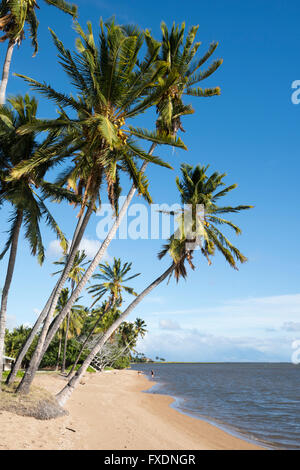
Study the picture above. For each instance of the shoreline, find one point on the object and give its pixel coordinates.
(109, 411)
(223, 426)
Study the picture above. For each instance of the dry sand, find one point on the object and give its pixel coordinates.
(109, 411)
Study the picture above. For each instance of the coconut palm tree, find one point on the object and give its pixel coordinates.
(113, 278)
(129, 332)
(178, 55)
(140, 327)
(196, 189)
(26, 195)
(14, 16)
(77, 270)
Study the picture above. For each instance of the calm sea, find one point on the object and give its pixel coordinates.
(260, 402)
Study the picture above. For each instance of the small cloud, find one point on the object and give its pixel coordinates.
(291, 326)
(37, 311)
(169, 325)
(90, 247)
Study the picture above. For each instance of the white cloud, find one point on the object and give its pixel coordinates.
(268, 305)
(169, 325)
(235, 317)
(291, 326)
(250, 329)
(193, 345)
(90, 247)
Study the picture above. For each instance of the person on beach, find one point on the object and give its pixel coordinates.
(152, 374)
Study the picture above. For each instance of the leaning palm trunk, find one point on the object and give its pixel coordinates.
(5, 73)
(17, 366)
(67, 391)
(7, 284)
(58, 354)
(63, 365)
(18, 363)
(37, 355)
(45, 341)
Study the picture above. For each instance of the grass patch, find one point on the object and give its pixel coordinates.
(6, 373)
(38, 404)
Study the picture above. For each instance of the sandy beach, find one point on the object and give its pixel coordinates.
(109, 411)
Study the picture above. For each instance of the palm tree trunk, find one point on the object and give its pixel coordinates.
(59, 351)
(7, 284)
(67, 391)
(17, 366)
(28, 377)
(5, 72)
(63, 366)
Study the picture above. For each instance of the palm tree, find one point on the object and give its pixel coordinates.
(72, 325)
(126, 339)
(77, 270)
(129, 332)
(111, 85)
(140, 327)
(196, 189)
(23, 195)
(178, 57)
(113, 278)
(14, 15)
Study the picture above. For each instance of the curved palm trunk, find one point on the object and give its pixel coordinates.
(7, 284)
(59, 351)
(67, 391)
(5, 72)
(63, 366)
(28, 377)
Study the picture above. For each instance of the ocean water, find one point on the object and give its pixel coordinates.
(257, 401)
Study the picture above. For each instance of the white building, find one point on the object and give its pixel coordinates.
(7, 362)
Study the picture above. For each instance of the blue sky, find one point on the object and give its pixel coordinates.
(251, 132)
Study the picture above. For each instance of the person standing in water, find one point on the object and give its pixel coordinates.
(152, 374)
